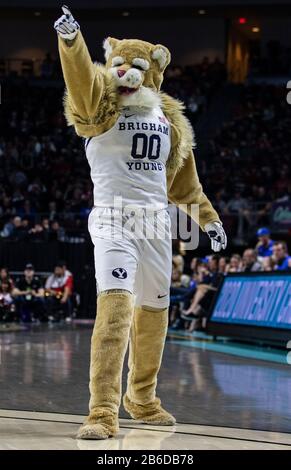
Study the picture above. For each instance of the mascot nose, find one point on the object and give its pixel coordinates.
(121, 72)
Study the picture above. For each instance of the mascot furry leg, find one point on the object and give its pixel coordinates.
(147, 340)
(108, 347)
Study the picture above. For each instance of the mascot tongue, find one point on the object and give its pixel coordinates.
(124, 90)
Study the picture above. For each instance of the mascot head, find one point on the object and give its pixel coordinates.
(135, 65)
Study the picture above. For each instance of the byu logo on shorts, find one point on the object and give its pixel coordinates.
(120, 273)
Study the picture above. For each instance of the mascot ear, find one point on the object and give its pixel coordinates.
(109, 44)
(162, 55)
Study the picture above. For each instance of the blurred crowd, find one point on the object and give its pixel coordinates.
(28, 297)
(45, 188)
(195, 84)
(193, 287)
(247, 168)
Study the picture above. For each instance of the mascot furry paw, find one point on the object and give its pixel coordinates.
(139, 147)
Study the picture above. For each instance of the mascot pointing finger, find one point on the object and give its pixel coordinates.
(139, 147)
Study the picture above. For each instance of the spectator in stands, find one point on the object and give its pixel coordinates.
(25, 227)
(210, 278)
(219, 202)
(29, 296)
(57, 232)
(52, 209)
(264, 246)
(240, 208)
(250, 262)
(26, 211)
(268, 263)
(222, 265)
(37, 233)
(7, 305)
(282, 261)
(4, 275)
(178, 261)
(46, 227)
(68, 275)
(178, 292)
(12, 228)
(234, 264)
(182, 287)
(59, 289)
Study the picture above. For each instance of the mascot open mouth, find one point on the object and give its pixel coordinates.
(124, 90)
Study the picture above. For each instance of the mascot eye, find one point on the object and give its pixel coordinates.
(117, 61)
(137, 67)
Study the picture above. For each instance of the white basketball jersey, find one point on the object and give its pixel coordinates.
(129, 160)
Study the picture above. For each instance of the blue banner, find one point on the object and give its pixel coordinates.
(261, 300)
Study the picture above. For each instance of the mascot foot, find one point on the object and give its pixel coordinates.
(151, 413)
(99, 427)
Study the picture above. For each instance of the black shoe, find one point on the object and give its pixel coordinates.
(191, 316)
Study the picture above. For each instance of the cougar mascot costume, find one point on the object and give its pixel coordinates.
(139, 148)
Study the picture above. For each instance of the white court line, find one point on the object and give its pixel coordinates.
(187, 429)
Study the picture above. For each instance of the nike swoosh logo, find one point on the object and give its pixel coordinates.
(128, 115)
(161, 296)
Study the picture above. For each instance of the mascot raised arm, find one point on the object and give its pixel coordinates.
(139, 147)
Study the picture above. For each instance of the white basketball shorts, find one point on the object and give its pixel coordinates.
(133, 252)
